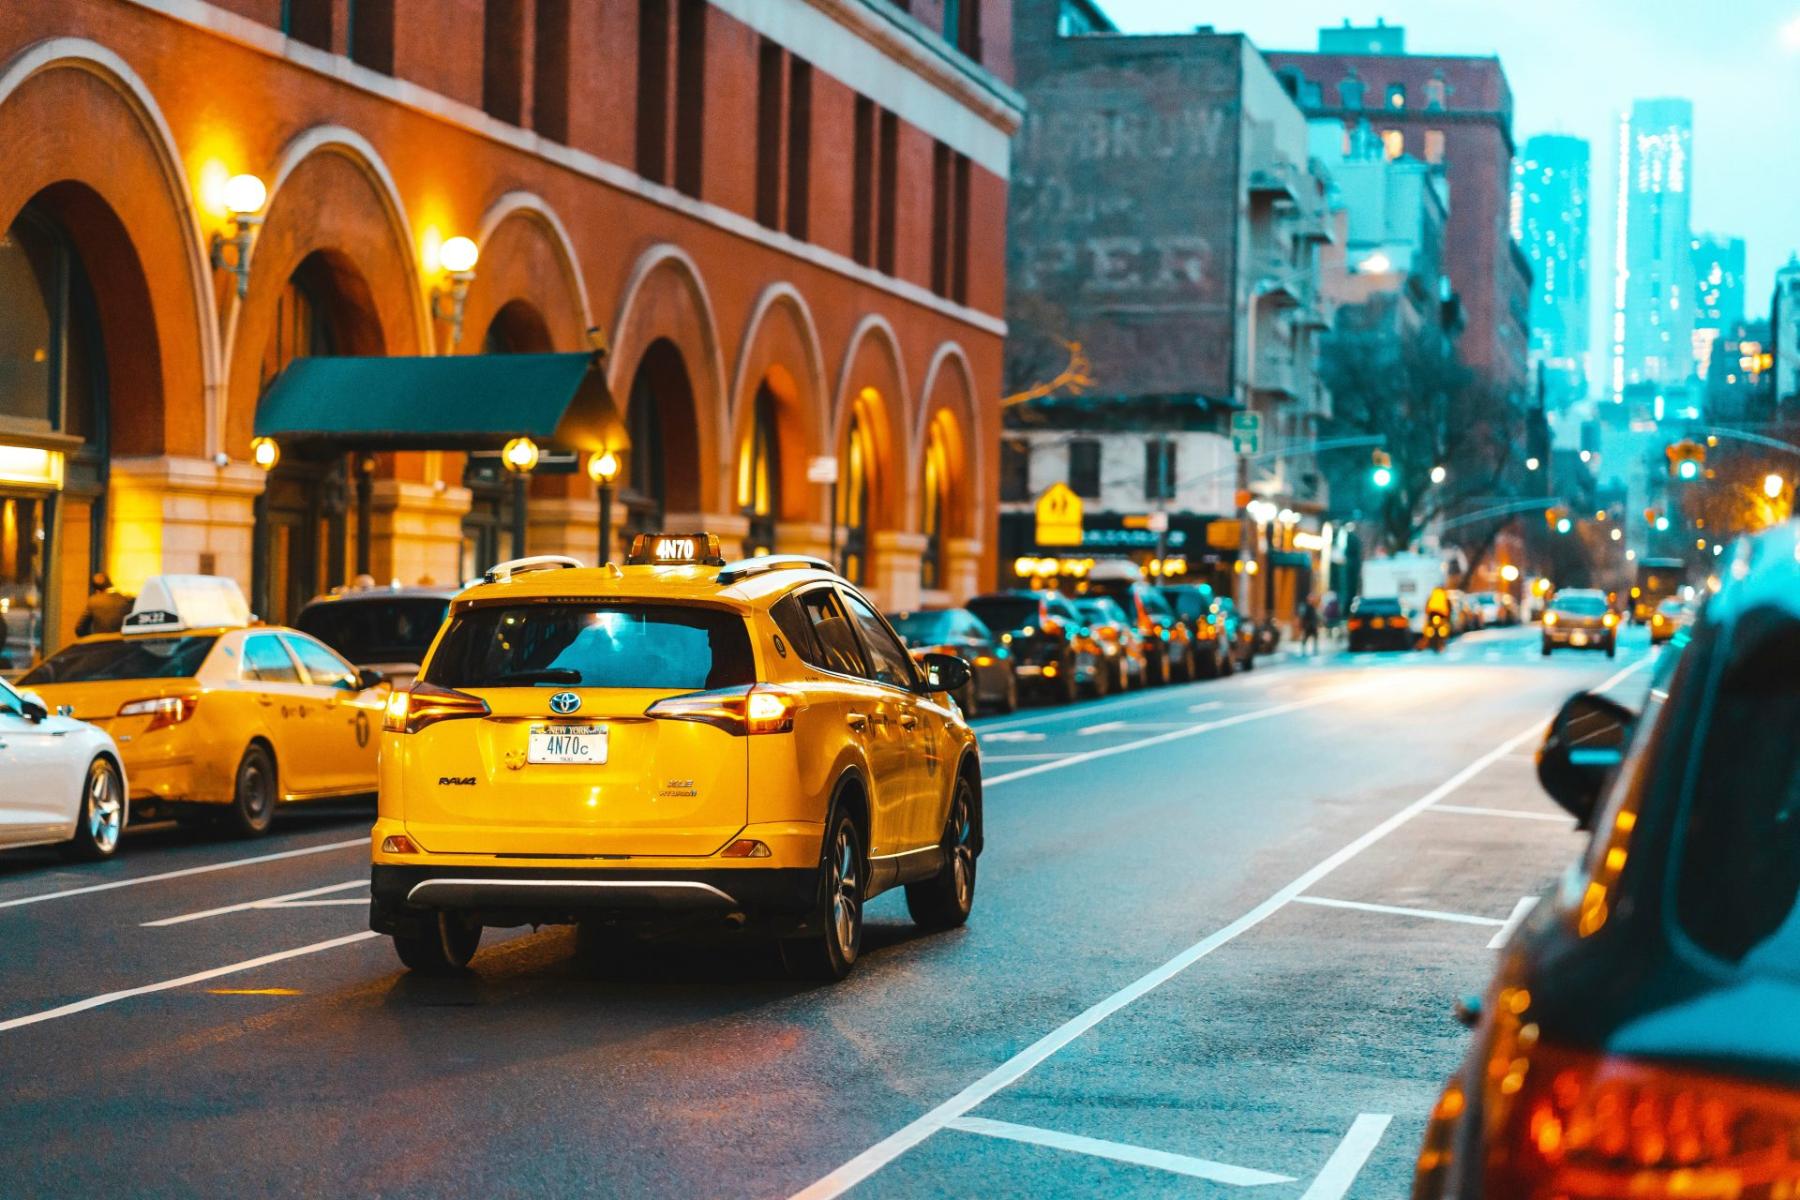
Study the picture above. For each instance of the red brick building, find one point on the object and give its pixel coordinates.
(1445, 110)
(783, 219)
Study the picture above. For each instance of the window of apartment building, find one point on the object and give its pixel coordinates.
(1084, 468)
(888, 194)
(371, 38)
(1435, 90)
(690, 95)
(503, 60)
(862, 191)
(962, 26)
(799, 148)
(1015, 469)
(940, 218)
(783, 139)
(959, 230)
(653, 90)
(949, 223)
(1350, 91)
(1434, 145)
(1396, 95)
(307, 21)
(550, 69)
(770, 62)
(1159, 469)
(1393, 143)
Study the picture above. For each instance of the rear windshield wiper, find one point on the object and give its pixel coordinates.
(546, 675)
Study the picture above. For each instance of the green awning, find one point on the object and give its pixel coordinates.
(447, 402)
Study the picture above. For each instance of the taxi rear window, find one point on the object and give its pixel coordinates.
(669, 647)
(128, 658)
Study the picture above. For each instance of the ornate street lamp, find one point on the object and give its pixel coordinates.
(458, 257)
(603, 468)
(519, 455)
(244, 197)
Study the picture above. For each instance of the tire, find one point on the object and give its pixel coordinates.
(829, 953)
(1103, 680)
(970, 700)
(1207, 664)
(252, 808)
(1009, 701)
(943, 902)
(1160, 677)
(443, 945)
(1612, 650)
(100, 821)
(1227, 664)
(1546, 649)
(1067, 690)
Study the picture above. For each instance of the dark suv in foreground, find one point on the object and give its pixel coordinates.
(1640, 1036)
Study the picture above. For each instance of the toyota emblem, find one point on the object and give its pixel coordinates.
(564, 703)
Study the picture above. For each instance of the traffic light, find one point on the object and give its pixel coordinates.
(1382, 475)
(1558, 520)
(1686, 458)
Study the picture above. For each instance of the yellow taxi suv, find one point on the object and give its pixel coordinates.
(674, 742)
(217, 719)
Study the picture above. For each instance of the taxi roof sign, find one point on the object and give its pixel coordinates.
(675, 549)
(169, 603)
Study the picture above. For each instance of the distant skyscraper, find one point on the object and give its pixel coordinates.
(1550, 223)
(1718, 294)
(1653, 283)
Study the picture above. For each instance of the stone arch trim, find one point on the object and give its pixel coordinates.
(949, 388)
(406, 320)
(106, 66)
(666, 298)
(780, 315)
(530, 211)
(875, 335)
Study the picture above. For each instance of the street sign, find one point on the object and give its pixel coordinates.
(1059, 512)
(822, 469)
(1157, 522)
(1246, 433)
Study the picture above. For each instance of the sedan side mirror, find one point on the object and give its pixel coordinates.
(369, 677)
(1585, 744)
(943, 673)
(32, 709)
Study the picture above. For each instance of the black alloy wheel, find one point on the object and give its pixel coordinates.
(828, 952)
(944, 901)
(252, 808)
(441, 944)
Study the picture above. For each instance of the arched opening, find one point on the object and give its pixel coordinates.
(759, 467)
(935, 499)
(858, 483)
(490, 529)
(53, 431)
(662, 469)
(302, 523)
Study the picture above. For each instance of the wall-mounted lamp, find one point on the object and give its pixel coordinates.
(458, 257)
(244, 197)
(520, 455)
(265, 453)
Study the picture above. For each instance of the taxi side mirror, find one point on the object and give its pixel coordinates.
(943, 673)
(1586, 743)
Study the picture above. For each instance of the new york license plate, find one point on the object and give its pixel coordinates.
(567, 744)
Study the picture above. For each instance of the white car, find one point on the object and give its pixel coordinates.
(61, 782)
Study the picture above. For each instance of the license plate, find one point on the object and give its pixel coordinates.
(582, 745)
(1578, 639)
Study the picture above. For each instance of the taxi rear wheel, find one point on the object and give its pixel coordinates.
(829, 952)
(441, 944)
(252, 808)
(944, 902)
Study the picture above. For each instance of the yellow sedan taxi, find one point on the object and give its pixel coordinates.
(216, 718)
(677, 740)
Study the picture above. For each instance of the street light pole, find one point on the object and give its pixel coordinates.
(603, 468)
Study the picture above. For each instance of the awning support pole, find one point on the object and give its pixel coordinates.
(365, 505)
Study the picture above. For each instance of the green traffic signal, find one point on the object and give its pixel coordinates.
(1381, 477)
(1689, 469)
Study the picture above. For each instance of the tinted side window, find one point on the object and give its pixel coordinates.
(795, 630)
(322, 666)
(267, 661)
(890, 664)
(834, 645)
(1155, 605)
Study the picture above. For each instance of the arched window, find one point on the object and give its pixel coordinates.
(759, 475)
(645, 495)
(934, 498)
(854, 494)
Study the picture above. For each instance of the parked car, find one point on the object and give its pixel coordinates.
(1126, 653)
(1043, 631)
(1240, 634)
(1167, 637)
(1495, 608)
(1637, 1038)
(960, 632)
(1379, 623)
(1196, 605)
(1671, 617)
(65, 782)
(383, 629)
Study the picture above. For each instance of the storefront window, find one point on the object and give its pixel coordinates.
(934, 496)
(853, 502)
(759, 476)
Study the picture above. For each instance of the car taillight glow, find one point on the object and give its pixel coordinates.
(412, 709)
(1589, 1126)
(1549, 618)
(399, 843)
(759, 708)
(163, 711)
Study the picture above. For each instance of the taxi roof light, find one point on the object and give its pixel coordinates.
(675, 549)
(171, 603)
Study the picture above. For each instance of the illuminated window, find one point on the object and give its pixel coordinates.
(759, 475)
(854, 493)
(1393, 143)
(1396, 95)
(1434, 145)
(934, 498)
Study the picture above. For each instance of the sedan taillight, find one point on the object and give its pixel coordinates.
(163, 711)
(423, 704)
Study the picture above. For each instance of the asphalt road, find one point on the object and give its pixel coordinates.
(1217, 934)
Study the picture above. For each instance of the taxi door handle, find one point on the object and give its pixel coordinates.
(857, 721)
(908, 721)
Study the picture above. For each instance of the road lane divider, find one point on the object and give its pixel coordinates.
(1348, 1160)
(249, 964)
(1394, 910)
(1520, 911)
(1517, 814)
(872, 1160)
(291, 898)
(1140, 1156)
(184, 873)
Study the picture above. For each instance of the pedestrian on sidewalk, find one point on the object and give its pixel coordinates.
(1309, 626)
(1333, 614)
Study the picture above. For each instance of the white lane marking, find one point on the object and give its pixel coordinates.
(1103, 727)
(265, 902)
(1348, 1160)
(79, 1006)
(1162, 1160)
(1019, 1065)
(1241, 685)
(1207, 707)
(1397, 911)
(1255, 714)
(361, 901)
(1622, 674)
(185, 872)
(1516, 814)
(1011, 736)
(1520, 911)
(994, 758)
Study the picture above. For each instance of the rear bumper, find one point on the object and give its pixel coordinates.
(554, 896)
(1591, 639)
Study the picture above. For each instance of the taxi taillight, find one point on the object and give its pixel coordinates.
(758, 708)
(412, 709)
(1588, 1126)
(163, 711)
